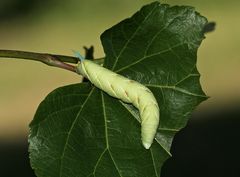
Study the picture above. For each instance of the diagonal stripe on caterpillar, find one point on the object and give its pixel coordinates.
(128, 91)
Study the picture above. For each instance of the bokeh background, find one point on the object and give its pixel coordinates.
(208, 146)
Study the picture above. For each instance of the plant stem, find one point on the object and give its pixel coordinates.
(49, 59)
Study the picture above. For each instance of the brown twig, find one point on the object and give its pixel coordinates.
(49, 59)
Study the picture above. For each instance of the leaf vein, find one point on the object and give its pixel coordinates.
(154, 165)
(176, 89)
(98, 161)
(149, 56)
(133, 35)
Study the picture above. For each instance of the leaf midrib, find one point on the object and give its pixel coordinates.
(70, 130)
(106, 133)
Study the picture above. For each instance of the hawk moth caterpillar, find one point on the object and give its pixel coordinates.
(129, 91)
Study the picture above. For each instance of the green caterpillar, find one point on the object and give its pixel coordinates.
(128, 91)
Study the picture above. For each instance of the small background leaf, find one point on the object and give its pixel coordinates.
(79, 130)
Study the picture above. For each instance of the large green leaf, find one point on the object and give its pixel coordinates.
(80, 131)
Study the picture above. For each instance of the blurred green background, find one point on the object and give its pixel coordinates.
(58, 27)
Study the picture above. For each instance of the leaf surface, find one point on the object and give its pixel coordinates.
(80, 131)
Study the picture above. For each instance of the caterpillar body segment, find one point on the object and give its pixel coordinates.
(128, 91)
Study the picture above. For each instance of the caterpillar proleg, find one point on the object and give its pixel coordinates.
(128, 91)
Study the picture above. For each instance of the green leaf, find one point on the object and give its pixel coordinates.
(80, 131)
